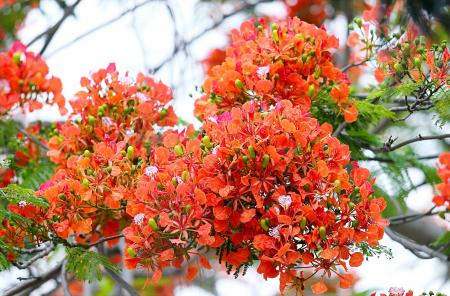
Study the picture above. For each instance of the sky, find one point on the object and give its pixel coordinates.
(140, 41)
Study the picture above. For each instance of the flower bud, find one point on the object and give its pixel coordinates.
(130, 152)
(265, 224)
(153, 225)
(16, 57)
(207, 141)
(251, 152)
(87, 153)
(358, 21)
(178, 150)
(131, 252)
(303, 222)
(322, 232)
(184, 176)
(397, 67)
(265, 161)
(238, 83)
(91, 120)
(275, 36)
(85, 182)
(245, 159)
(351, 205)
(311, 90)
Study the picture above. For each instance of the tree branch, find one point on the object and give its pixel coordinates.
(101, 26)
(50, 32)
(32, 138)
(420, 251)
(216, 24)
(64, 279)
(100, 241)
(349, 66)
(34, 282)
(36, 257)
(121, 282)
(412, 217)
(389, 160)
(388, 144)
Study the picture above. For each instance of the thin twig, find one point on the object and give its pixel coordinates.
(34, 258)
(349, 66)
(64, 279)
(101, 26)
(38, 249)
(32, 138)
(411, 217)
(50, 32)
(339, 129)
(121, 282)
(100, 241)
(419, 250)
(34, 282)
(389, 160)
(388, 144)
(216, 24)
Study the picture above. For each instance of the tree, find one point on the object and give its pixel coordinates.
(271, 178)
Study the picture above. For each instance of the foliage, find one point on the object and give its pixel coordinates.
(265, 181)
(86, 265)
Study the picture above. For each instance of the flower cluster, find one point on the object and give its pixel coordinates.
(288, 61)
(101, 150)
(25, 82)
(270, 186)
(444, 188)
(401, 292)
(412, 57)
(260, 181)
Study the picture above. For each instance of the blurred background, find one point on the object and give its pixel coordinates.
(178, 41)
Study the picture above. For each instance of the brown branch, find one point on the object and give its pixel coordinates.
(32, 138)
(419, 250)
(216, 24)
(412, 217)
(64, 279)
(34, 282)
(349, 66)
(50, 32)
(33, 259)
(126, 286)
(100, 241)
(389, 160)
(339, 129)
(388, 144)
(101, 26)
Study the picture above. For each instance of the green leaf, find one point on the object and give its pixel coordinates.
(441, 100)
(15, 194)
(387, 93)
(372, 113)
(85, 264)
(4, 250)
(443, 239)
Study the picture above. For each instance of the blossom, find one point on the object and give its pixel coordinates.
(274, 231)
(285, 201)
(139, 219)
(265, 70)
(25, 82)
(151, 171)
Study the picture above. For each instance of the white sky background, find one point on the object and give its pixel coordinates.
(120, 43)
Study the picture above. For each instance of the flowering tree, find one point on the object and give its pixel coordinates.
(271, 178)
